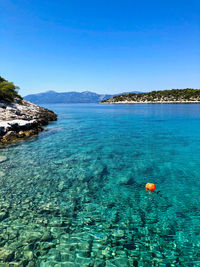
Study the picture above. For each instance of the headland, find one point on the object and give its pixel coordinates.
(21, 119)
(174, 96)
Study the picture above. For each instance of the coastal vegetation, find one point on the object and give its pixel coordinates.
(8, 91)
(174, 95)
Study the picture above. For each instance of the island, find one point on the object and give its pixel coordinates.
(19, 119)
(175, 96)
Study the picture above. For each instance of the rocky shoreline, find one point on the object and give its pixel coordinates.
(22, 119)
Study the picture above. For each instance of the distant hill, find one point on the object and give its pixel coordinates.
(52, 97)
(187, 95)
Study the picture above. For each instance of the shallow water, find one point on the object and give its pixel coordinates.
(75, 195)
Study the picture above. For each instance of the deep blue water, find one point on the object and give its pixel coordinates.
(75, 195)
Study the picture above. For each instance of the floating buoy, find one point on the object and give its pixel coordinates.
(150, 187)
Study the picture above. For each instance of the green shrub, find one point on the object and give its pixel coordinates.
(8, 91)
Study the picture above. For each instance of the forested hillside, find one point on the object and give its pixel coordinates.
(174, 95)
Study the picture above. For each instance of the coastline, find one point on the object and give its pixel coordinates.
(22, 119)
(152, 102)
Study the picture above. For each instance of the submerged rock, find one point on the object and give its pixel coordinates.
(6, 255)
(28, 255)
(118, 233)
(2, 174)
(9, 136)
(31, 236)
(3, 158)
(47, 236)
(3, 215)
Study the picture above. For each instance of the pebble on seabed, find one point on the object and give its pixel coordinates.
(3, 158)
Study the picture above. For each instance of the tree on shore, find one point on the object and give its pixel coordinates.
(8, 91)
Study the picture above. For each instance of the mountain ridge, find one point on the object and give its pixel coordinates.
(53, 97)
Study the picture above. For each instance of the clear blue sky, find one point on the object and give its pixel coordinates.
(101, 46)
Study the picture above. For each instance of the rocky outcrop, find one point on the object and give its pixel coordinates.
(174, 96)
(22, 119)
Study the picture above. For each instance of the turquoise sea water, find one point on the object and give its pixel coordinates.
(75, 195)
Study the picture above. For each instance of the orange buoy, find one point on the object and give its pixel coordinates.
(150, 187)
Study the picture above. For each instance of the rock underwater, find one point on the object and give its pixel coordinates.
(22, 119)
